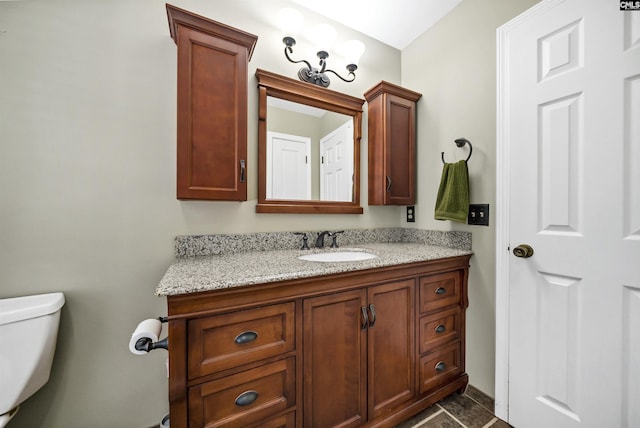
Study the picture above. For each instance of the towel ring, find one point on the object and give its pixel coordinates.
(461, 142)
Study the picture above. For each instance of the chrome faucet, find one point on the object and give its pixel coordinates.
(320, 239)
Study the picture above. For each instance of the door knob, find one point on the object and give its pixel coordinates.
(523, 250)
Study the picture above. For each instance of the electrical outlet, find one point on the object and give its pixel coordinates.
(478, 214)
(411, 214)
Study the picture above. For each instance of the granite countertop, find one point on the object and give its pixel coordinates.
(228, 270)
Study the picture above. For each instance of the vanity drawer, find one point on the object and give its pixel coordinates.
(225, 341)
(440, 291)
(288, 420)
(439, 328)
(438, 367)
(246, 398)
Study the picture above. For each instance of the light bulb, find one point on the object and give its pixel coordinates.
(353, 50)
(290, 22)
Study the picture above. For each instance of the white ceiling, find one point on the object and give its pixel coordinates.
(394, 22)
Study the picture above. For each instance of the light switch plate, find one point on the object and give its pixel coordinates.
(478, 214)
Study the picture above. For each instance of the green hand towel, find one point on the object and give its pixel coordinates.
(452, 202)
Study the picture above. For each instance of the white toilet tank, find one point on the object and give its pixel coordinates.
(28, 334)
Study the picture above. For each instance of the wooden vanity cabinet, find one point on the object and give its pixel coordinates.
(392, 144)
(358, 354)
(365, 348)
(212, 107)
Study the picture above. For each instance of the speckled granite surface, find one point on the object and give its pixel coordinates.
(204, 273)
(208, 245)
(214, 262)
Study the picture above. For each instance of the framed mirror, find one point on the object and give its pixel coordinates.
(308, 148)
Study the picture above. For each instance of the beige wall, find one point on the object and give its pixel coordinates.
(454, 66)
(87, 188)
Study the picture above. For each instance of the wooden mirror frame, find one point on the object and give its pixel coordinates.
(274, 85)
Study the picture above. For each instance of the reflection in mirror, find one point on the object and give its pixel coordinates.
(308, 148)
(309, 153)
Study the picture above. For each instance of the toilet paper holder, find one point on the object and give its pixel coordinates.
(146, 344)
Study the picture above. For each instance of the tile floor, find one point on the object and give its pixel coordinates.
(473, 409)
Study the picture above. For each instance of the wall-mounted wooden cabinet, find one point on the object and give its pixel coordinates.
(212, 107)
(392, 144)
(364, 348)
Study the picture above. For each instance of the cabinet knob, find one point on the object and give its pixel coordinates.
(440, 366)
(441, 290)
(441, 328)
(246, 398)
(246, 337)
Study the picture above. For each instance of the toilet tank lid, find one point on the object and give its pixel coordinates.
(22, 308)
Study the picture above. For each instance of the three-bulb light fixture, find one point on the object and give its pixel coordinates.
(291, 22)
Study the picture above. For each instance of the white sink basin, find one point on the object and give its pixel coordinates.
(338, 256)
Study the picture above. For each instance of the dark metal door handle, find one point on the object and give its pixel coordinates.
(388, 183)
(365, 318)
(440, 366)
(243, 168)
(441, 328)
(372, 321)
(523, 250)
(441, 290)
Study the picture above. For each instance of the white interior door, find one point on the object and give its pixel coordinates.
(568, 321)
(336, 168)
(289, 170)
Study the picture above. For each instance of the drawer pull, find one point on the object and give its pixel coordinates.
(441, 290)
(440, 366)
(246, 337)
(246, 398)
(441, 328)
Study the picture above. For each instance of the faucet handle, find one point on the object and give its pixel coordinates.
(334, 236)
(305, 240)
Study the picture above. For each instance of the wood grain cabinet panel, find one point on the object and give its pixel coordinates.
(242, 399)
(225, 341)
(392, 144)
(334, 360)
(212, 107)
(440, 291)
(366, 348)
(439, 328)
(439, 366)
(391, 375)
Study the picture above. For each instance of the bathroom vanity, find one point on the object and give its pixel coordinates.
(263, 339)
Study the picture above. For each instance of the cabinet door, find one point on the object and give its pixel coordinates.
(400, 149)
(212, 117)
(391, 369)
(334, 354)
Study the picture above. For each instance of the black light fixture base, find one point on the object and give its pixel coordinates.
(314, 76)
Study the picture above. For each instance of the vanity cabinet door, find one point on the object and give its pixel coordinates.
(335, 360)
(392, 145)
(359, 354)
(391, 357)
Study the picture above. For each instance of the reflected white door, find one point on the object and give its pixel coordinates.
(288, 171)
(336, 167)
(569, 120)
